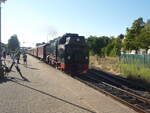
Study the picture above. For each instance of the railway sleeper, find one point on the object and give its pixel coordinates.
(132, 101)
(117, 92)
(124, 97)
(145, 105)
(147, 110)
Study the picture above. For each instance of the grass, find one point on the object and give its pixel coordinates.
(135, 71)
(108, 64)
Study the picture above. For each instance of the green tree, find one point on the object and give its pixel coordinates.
(91, 43)
(97, 43)
(131, 42)
(144, 37)
(13, 43)
(114, 47)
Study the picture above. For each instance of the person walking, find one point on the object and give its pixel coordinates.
(4, 55)
(25, 59)
(18, 57)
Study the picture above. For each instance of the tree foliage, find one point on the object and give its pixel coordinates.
(131, 42)
(114, 46)
(13, 43)
(144, 37)
(105, 46)
(97, 43)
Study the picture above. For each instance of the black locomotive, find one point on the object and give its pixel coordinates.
(68, 53)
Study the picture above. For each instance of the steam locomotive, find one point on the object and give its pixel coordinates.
(68, 53)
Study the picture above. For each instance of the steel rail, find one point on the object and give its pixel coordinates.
(134, 107)
(126, 89)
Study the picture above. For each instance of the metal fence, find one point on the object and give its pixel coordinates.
(139, 60)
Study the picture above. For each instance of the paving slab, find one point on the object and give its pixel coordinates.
(43, 89)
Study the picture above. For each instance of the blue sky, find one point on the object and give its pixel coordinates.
(35, 20)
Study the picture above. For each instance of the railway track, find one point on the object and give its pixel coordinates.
(123, 83)
(121, 79)
(132, 100)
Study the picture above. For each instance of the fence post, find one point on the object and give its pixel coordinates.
(144, 60)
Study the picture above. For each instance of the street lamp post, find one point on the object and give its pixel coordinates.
(1, 68)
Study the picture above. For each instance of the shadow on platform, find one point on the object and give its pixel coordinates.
(7, 79)
(29, 66)
(24, 78)
(24, 64)
(32, 68)
(57, 98)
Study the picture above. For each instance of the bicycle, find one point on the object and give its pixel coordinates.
(5, 69)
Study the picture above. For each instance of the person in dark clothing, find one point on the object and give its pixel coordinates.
(4, 54)
(25, 59)
(18, 57)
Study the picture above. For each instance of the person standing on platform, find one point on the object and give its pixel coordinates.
(4, 55)
(25, 59)
(18, 57)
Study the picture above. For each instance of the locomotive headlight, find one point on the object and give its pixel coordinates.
(86, 58)
(68, 57)
(78, 39)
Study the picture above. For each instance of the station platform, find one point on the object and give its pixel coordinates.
(43, 89)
